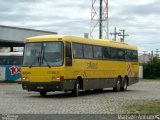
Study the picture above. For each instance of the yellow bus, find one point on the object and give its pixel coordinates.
(69, 63)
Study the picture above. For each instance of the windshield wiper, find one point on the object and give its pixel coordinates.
(46, 62)
(31, 65)
(43, 58)
(36, 58)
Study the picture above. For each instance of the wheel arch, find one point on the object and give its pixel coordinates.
(80, 79)
(127, 78)
(119, 76)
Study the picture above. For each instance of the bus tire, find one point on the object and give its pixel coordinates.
(43, 93)
(124, 85)
(76, 89)
(98, 90)
(118, 85)
(66, 91)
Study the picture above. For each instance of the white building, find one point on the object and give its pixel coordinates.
(14, 36)
(144, 58)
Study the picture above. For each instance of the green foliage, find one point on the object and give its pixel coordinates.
(151, 69)
(144, 107)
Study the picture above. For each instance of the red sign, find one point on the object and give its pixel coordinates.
(15, 70)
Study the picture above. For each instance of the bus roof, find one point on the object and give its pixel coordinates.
(100, 42)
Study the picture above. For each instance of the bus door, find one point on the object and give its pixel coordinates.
(68, 60)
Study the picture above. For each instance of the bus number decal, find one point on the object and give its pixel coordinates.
(91, 65)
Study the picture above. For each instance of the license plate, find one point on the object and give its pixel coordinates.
(40, 87)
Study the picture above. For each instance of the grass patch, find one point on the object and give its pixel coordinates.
(150, 80)
(147, 107)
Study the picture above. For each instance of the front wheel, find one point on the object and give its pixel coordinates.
(98, 90)
(76, 89)
(43, 93)
(118, 85)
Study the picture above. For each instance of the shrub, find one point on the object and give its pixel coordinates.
(151, 69)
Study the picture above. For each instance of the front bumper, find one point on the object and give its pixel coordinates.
(48, 86)
(42, 86)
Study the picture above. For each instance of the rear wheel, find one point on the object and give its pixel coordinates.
(124, 85)
(118, 85)
(43, 93)
(76, 89)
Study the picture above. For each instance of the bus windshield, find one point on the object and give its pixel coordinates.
(43, 54)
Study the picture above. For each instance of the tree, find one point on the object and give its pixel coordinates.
(151, 69)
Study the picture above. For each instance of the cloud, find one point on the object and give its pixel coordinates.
(142, 10)
(140, 18)
(141, 21)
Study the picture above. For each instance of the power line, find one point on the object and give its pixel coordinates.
(123, 35)
(157, 51)
(115, 33)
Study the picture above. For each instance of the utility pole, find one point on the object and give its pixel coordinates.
(100, 20)
(123, 35)
(151, 69)
(115, 34)
(157, 51)
(144, 53)
(152, 55)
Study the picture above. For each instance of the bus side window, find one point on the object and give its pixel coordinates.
(97, 50)
(4, 60)
(68, 54)
(106, 52)
(114, 52)
(88, 51)
(16, 60)
(121, 54)
(135, 55)
(78, 50)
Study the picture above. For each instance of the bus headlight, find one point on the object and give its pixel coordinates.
(25, 79)
(60, 78)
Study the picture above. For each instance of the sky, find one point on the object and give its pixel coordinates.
(140, 18)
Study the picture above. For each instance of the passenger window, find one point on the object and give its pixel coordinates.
(114, 53)
(88, 52)
(106, 52)
(97, 52)
(121, 54)
(16, 60)
(135, 55)
(129, 55)
(78, 50)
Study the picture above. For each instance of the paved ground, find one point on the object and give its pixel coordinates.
(14, 100)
